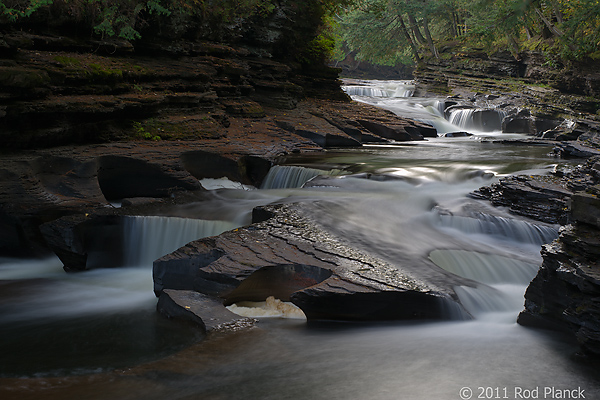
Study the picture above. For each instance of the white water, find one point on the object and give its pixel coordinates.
(149, 238)
(289, 176)
(398, 219)
(428, 110)
(223, 183)
(501, 227)
(271, 307)
(380, 89)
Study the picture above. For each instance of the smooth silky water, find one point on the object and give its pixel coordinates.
(97, 333)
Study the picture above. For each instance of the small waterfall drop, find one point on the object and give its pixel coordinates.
(480, 120)
(502, 279)
(485, 268)
(462, 117)
(365, 91)
(149, 238)
(288, 176)
(485, 300)
(508, 228)
(388, 89)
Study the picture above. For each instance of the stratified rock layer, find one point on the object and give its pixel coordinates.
(543, 198)
(291, 257)
(565, 294)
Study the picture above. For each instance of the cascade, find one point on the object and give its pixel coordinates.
(105, 318)
(149, 238)
(288, 176)
(486, 299)
(365, 91)
(485, 268)
(462, 118)
(482, 120)
(391, 89)
(509, 228)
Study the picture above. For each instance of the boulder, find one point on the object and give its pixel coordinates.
(205, 311)
(290, 256)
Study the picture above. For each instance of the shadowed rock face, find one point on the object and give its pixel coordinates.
(566, 290)
(280, 281)
(122, 177)
(291, 257)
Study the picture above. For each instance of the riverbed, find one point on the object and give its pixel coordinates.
(95, 334)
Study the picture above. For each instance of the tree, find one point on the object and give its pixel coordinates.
(380, 30)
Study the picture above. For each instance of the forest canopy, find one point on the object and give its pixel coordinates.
(127, 18)
(389, 32)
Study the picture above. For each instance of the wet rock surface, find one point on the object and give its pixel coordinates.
(205, 311)
(543, 198)
(290, 256)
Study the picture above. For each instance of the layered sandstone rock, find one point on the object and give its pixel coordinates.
(291, 257)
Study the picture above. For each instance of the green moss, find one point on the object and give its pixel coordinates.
(67, 61)
(104, 72)
(141, 132)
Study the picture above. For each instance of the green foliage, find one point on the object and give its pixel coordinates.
(14, 10)
(142, 133)
(67, 61)
(562, 29)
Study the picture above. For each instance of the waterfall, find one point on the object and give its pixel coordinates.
(485, 268)
(391, 89)
(462, 118)
(365, 91)
(149, 238)
(485, 299)
(509, 228)
(287, 176)
(482, 120)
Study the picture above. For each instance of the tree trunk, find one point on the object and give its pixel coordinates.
(555, 31)
(453, 28)
(412, 44)
(557, 12)
(415, 29)
(429, 39)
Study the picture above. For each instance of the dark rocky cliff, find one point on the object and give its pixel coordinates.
(60, 88)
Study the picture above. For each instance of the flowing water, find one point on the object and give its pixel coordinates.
(95, 333)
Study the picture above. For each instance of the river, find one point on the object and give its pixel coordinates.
(95, 335)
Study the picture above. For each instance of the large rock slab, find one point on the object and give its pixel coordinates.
(543, 198)
(203, 310)
(289, 256)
